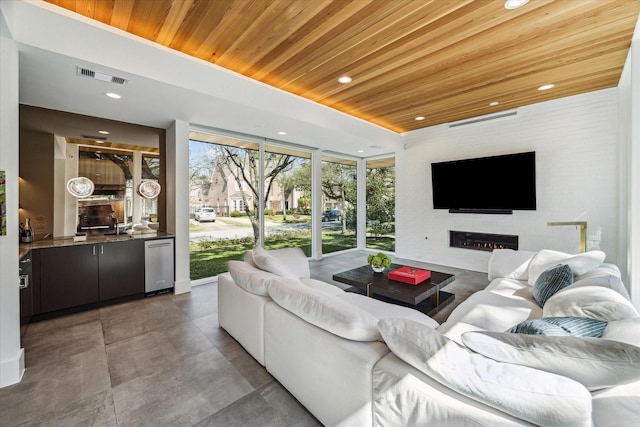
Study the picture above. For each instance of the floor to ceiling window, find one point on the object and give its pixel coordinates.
(223, 189)
(339, 201)
(231, 209)
(287, 200)
(225, 200)
(381, 200)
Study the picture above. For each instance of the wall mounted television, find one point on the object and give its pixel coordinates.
(496, 184)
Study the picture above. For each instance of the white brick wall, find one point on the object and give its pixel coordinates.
(577, 162)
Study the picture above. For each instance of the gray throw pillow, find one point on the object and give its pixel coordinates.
(551, 281)
(561, 326)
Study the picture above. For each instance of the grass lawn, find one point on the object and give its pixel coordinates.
(210, 258)
(233, 221)
(382, 243)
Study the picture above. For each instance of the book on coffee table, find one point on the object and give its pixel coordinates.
(410, 275)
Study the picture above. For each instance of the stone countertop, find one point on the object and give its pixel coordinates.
(24, 248)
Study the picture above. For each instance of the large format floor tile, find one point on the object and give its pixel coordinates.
(50, 387)
(181, 394)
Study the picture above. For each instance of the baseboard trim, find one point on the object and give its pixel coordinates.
(12, 370)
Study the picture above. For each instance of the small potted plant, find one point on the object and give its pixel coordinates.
(379, 262)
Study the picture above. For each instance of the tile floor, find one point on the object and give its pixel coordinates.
(159, 361)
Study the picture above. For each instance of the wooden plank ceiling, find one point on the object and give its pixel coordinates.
(445, 60)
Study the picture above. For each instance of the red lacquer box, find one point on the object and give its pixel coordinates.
(410, 275)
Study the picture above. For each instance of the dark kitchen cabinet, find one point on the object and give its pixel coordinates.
(121, 269)
(72, 276)
(27, 309)
(68, 277)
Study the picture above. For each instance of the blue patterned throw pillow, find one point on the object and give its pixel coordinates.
(561, 326)
(551, 281)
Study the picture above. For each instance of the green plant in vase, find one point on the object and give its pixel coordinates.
(379, 262)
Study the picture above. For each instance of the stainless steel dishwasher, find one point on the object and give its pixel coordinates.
(158, 266)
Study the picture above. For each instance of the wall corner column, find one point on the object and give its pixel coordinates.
(176, 157)
(12, 358)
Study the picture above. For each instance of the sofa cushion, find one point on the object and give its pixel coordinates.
(610, 281)
(494, 312)
(511, 287)
(281, 266)
(595, 363)
(533, 395)
(322, 286)
(595, 302)
(509, 264)
(323, 310)
(551, 281)
(627, 331)
(251, 279)
(579, 264)
(561, 326)
(383, 310)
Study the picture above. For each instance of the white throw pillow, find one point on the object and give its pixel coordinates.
(266, 262)
(594, 362)
(627, 330)
(323, 310)
(251, 279)
(530, 394)
(384, 310)
(294, 259)
(509, 264)
(248, 258)
(596, 302)
(579, 264)
(322, 286)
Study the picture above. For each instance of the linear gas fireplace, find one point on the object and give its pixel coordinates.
(482, 241)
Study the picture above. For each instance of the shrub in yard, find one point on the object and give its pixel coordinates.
(236, 214)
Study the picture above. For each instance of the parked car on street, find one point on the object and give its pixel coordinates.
(332, 215)
(205, 214)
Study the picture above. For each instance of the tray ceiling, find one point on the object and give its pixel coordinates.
(444, 60)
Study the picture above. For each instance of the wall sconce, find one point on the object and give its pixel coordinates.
(583, 231)
(80, 187)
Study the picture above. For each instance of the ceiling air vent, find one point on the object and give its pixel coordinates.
(101, 76)
(480, 119)
(99, 138)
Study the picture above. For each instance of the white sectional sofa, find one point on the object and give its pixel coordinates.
(356, 361)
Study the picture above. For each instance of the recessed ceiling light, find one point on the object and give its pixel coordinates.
(494, 103)
(104, 132)
(546, 87)
(345, 79)
(360, 151)
(420, 118)
(282, 132)
(514, 4)
(113, 95)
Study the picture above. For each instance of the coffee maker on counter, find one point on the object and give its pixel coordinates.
(26, 232)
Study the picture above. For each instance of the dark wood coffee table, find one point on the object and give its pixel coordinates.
(425, 296)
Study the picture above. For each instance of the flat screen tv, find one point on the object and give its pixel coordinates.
(496, 184)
